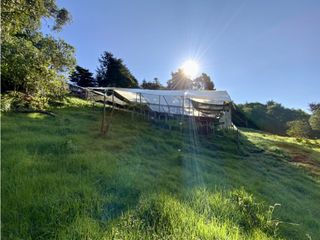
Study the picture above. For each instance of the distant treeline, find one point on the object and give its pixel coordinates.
(274, 118)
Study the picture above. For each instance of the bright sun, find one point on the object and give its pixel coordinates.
(190, 68)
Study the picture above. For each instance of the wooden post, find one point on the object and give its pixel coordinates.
(159, 107)
(140, 103)
(86, 93)
(238, 144)
(102, 129)
(130, 107)
(112, 100)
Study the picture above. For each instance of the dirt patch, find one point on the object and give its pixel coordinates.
(301, 157)
(305, 160)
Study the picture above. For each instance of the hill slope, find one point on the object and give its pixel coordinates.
(270, 117)
(60, 179)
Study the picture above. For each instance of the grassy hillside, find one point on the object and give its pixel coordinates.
(62, 180)
(270, 117)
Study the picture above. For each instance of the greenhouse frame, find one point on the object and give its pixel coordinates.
(200, 104)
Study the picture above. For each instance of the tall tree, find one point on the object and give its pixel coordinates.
(155, 84)
(32, 62)
(112, 72)
(314, 107)
(203, 82)
(179, 81)
(82, 77)
(314, 120)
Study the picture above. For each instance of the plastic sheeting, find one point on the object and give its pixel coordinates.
(180, 102)
(99, 96)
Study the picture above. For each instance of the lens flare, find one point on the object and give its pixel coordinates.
(190, 68)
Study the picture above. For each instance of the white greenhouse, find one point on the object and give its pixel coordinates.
(199, 104)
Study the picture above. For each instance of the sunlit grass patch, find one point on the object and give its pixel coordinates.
(36, 115)
(300, 152)
(201, 215)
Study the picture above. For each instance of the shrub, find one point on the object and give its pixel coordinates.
(315, 120)
(13, 101)
(251, 214)
(299, 128)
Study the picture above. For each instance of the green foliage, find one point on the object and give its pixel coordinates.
(74, 102)
(31, 62)
(314, 107)
(315, 120)
(112, 72)
(240, 119)
(203, 82)
(179, 81)
(155, 84)
(21, 16)
(13, 101)
(271, 117)
(299, 128)
(82, 77)
(251, 214)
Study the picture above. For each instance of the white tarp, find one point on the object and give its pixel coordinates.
(202, 103)
(170, 101)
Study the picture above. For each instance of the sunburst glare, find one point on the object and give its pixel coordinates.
(190, 68)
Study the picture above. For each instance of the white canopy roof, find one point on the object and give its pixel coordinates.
(171, 101)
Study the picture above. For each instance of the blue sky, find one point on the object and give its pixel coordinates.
(256, 50)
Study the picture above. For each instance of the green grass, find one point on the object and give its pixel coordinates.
(62, 180)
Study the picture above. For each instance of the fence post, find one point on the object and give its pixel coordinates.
(140, 103)
(159, 107)
(104, 113)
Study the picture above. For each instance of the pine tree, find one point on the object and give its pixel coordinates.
(112, 72)
(155, 84)
(82, 77)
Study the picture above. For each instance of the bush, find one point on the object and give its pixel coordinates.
(15, 101)
(315, 120)
(252, 214)
(299, 128)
